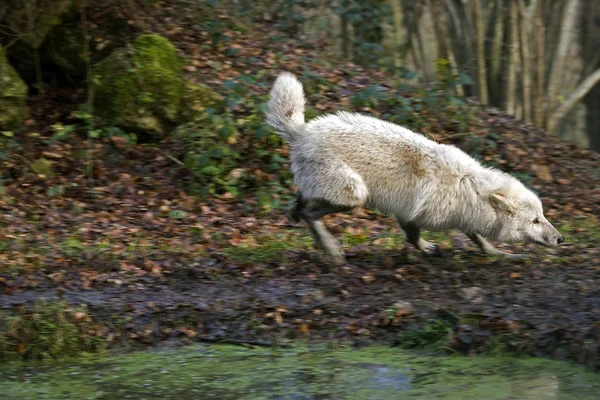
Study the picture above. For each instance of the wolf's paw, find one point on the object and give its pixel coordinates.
(426, 247)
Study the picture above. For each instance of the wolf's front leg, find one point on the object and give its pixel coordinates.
(413, 235)
(488, 248)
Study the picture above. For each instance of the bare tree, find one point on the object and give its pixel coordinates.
(540, 33)
(526, 14)
(497, 46)
(482, 74)
(581, 90)
(560, 57)
(511, 106)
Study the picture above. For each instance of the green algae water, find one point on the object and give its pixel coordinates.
(231, 372)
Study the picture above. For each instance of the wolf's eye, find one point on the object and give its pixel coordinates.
(536, 221)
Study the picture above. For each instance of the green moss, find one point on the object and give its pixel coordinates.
(142, 87)
(227, 372)
(42, 166)
(269, 248)
(13, 94)
(48, 330)
(198, 98)
(580, 231)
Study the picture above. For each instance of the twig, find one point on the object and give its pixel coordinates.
(240, 342)
(90, 86)
(175, 160)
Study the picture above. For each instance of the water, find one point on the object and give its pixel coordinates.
(231, 372)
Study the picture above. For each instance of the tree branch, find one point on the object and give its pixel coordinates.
(581, 90)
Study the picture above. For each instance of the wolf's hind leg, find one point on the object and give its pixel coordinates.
(487, 248)
(413, 235)
(311, 211)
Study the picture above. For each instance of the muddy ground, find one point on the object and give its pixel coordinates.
(113, 227)
(156, 266)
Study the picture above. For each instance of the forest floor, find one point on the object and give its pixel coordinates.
(111, 227)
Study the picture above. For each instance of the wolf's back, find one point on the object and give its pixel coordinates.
(285, 109)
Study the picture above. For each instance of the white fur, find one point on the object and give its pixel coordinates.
(286, 106)
(356, 160)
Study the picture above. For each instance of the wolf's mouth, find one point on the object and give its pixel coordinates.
(542, 243)
(537, 241)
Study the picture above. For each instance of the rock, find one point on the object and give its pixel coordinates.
(470, 293)
(66, 49)
(402, 309)
(13, 95)
(142, 88)
(197, 98)
(42, 166)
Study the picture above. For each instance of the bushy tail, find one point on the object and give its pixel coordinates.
(285, 109)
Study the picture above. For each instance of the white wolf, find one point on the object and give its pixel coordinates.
(347, 160)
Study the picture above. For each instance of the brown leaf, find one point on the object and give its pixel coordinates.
(303, 328)
(368, 278)
(542, 172)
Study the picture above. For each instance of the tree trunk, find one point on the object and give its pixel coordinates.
(432, 6)
(525, 29)
(496, 53)
(540, 68)
(345, 39)
(399, 33)
(560, 56)
(581, 90)
(480, 33)
(511, 85)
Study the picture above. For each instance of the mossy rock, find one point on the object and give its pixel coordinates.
(13, 95)
(197, 98)
(142, 87)
(42, 166)
(47, 14)
(66, 48)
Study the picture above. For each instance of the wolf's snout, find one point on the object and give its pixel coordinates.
(560, 239)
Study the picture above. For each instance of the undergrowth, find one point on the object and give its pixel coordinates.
(48, 330)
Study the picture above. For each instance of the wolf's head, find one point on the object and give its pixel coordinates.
(520, 216)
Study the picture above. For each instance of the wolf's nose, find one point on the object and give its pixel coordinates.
(560, 239)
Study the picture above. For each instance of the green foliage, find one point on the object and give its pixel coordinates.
(412, 101)
(434, 335)
(47, 330)
(217, 27)
(8, 146)
(224, 146)
(269, 248)
(367, 20)
(63, 132)
(105, 132)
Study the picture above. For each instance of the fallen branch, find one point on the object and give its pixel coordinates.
(240, 342)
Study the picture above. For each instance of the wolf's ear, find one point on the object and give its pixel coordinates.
(501, 203)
